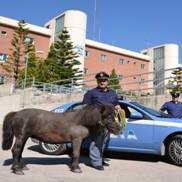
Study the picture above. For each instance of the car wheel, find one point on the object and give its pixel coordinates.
(52, 149)
(174, 149)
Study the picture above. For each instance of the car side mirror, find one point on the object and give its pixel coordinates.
(136, 115)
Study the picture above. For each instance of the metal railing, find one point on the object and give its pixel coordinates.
(129, 86)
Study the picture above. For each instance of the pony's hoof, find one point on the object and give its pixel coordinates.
(76, 170)
(25, 168)
(18, 172)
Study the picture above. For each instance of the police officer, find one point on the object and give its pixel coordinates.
(173, 107)
(102, 94)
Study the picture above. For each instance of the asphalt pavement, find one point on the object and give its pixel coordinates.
(123, 168)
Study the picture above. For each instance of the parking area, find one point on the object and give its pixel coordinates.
(123, 167)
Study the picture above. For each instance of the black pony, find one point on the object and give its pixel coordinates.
(54, 128)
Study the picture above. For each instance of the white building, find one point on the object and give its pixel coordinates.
(163, 57)
(75, 22)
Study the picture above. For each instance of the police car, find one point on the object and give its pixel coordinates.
(147, 131)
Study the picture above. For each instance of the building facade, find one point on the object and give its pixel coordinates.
(39, 36)
(163, 59)
(95, 56)
(75, 22)
(131, 67)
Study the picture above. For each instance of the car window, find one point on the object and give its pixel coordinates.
(134, 114)
(125, 108)
(151, 111)
(131, 113)
(76, 107)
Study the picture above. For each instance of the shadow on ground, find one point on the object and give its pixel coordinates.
(62, 160)
(48, 159)
(113, 155)
(135, 156)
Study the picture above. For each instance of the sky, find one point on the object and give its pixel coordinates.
(129, 24)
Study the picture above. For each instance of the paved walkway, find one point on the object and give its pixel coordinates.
(123, 168)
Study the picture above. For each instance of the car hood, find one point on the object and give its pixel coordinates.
(169, 122)
(176, 120)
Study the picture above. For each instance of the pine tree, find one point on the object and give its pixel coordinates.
(18, 51)
(62, 62)
(32, 67)
(42, 72)
(175, 85)
(114, 81)
(49, 70)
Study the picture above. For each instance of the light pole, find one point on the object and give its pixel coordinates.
(25, 76)
(27, 41)
(26, 66)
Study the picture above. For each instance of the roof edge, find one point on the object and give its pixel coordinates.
(31, 27)
(116, 49)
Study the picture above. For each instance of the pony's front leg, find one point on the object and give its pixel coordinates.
(76, 155)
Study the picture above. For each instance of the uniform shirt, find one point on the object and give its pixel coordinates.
(173, 109)
(98, 96)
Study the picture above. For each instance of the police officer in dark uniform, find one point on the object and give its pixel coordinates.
(173, 107)
(100, 95)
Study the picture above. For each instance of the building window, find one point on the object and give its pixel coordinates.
(134, 62)
(3, 57)
(159, 66)
(29, 40)
(48, 26)
(121, 61)
(3, 32)
(87, 54)
(1, 79)
(142, 66)
(120, 77)
(142, 80)
(103, 57)
(158, 53)
(145, 53)
(59, 26)
(85, 71)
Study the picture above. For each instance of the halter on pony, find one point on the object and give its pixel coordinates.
(119, 118)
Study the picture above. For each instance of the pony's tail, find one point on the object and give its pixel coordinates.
(8, 131)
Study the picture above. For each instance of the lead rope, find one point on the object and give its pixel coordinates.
(120, 117)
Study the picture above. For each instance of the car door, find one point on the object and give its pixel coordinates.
(138, 135)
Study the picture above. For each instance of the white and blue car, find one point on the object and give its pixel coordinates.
(147, 131)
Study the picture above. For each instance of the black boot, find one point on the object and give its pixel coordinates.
(105, 164)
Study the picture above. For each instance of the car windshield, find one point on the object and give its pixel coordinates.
(151, 111)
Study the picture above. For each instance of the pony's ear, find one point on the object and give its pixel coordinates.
(102, 109)
(93, 113)
(105, 110)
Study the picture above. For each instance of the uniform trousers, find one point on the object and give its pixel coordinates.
(99, 141)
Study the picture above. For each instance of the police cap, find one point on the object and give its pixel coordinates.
(102, 76)
(175, 94)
